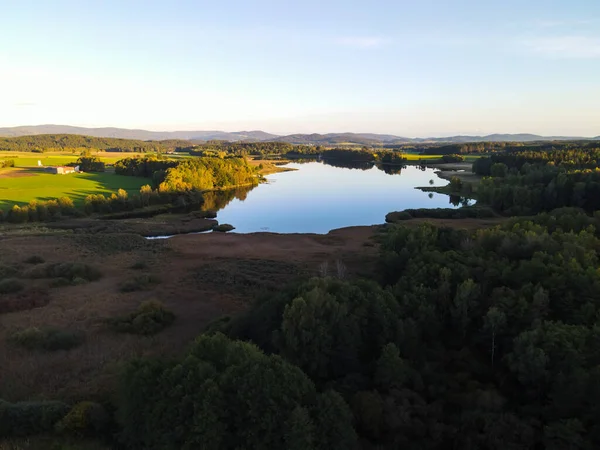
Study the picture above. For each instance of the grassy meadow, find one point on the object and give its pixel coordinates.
(23, 159)
(21, 184)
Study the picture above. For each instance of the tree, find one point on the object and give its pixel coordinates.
(299, 430)
(499, 170)
(391, 371)
(333, 423)
(493, 322)
(456, 184)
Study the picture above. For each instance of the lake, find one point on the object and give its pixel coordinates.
(318, 197)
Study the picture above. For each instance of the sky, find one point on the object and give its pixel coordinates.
(404, 67)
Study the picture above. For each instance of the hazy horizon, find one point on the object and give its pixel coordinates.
(426, 69)
(234, 130)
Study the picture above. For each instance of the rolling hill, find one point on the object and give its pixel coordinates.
(144, 135)
(257, 135)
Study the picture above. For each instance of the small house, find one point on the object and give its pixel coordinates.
(61, 170)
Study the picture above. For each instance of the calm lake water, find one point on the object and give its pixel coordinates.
(318, 197)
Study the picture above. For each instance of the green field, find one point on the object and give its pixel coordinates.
(23, 159)
(22, 186)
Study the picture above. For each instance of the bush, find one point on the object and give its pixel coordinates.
(139, 283)
(140, 265)
(223, 228)
(397, 216)
(452, 158)
(68, 271)
(85, 418)
(48, 339)
(11, 285)
(7, 271)
(150, 318)
(29, 418)
(35, 260)
(466, 212)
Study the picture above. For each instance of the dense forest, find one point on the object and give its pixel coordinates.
(532, 181)
(492, 147)
(67, 142)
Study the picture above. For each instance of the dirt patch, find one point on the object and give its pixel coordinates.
(24, 301)
(17, 172)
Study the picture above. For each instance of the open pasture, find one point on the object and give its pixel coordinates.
(21, 185)
(25, 159)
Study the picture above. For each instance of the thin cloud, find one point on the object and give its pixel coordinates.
(363, 41)
(566, 46)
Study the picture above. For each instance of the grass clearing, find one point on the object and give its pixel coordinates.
(45, 186)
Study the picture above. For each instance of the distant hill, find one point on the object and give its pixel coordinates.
(378, 139)
(504, 138)
(257, 135)
(144, 135)
(341, 138)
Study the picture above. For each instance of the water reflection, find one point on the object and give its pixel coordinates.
(390, 169)
(319, 197)
(217, 200)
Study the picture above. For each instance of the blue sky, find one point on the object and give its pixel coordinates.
(413, 68)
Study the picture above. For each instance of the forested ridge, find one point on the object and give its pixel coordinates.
(65, 142)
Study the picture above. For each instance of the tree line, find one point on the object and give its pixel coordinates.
(117, 202)
(67, 142)
(532, 181)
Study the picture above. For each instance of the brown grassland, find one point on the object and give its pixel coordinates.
(202, 277)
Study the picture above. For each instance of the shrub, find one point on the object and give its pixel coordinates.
(85, 418)
(11, 285)
(29, 418)
(224, 227)
(35, 259)
(48, 339)
(139, 283)
(7, 271)
(466, 212)
(452, 158)
(68, 271)
(397, 216)
(7, 163)
(150, 318)
(140, 265)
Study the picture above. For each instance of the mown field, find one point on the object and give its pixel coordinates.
(23, 183)
(23, 159)
(20, 186)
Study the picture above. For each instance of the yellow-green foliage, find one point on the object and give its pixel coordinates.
(208, 173)
(84, 418)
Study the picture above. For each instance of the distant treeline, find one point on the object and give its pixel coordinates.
(251, 149)
(292, 151)
(65, 142)
(492, 147)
